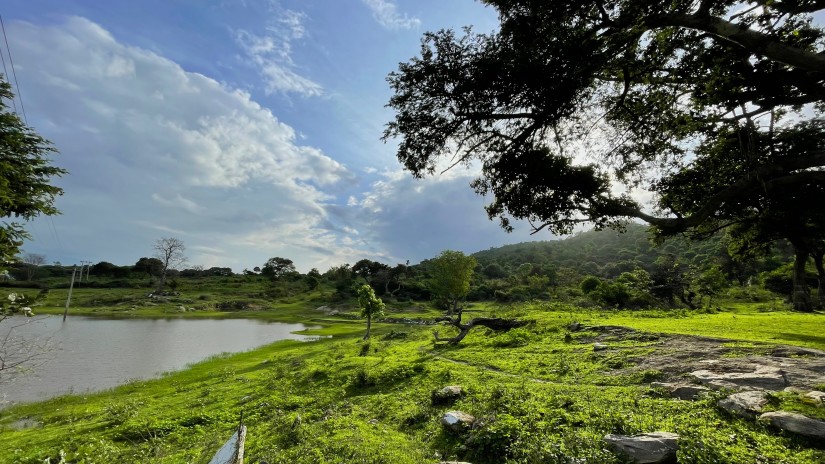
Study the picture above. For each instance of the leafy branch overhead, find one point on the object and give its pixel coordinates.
(25, 185)
(570, 99)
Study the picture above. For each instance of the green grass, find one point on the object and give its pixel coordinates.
(540, 395)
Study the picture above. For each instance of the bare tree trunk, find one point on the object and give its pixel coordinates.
(820, 274)
(369, 324)
(801, 294)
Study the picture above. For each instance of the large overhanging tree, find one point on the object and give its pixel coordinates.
(570, 105)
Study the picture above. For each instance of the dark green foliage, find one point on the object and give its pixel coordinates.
(25, 184)
(149, 266)
(277, 268)
(589, 284)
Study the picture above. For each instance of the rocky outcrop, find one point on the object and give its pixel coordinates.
(682, 391)
(745, 404)
(647, 448)
(795, 423)
(752, 377)
(457, 421)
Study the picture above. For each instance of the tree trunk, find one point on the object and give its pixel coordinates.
(497, 324)
(369, 324)
(820, 275)
(801, 294)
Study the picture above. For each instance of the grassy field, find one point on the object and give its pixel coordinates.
(541, 393)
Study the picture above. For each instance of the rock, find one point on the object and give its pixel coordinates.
(647, 448)
(447, 395)
(574, 326)
(457, 421)
(599, 347)
(762, 377)
(681, 391)
(795, 423)
(817, 397)
(745, 404)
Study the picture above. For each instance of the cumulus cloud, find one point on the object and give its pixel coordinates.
(387, 15)
(271, 53)
(155, 150)
(416, 219)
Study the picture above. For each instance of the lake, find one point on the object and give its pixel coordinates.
(87, 354)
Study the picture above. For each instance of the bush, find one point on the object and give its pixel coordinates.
(611, 294)
(589, 284)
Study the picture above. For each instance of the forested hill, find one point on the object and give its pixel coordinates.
(608, 253)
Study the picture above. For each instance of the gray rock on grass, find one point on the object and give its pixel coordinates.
(745, 404)
(647, 448)
(681, 391)
(795, 423)
(447, 395)
(762, 377)
(457, 421)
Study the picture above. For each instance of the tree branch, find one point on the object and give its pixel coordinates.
(479, 116)
(756, 42)
(756, 178)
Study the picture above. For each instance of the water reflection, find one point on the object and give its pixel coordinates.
(85, 354)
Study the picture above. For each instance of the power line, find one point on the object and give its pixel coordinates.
(13, 72)
(6, 76)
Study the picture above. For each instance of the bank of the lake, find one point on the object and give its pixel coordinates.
(542, 395)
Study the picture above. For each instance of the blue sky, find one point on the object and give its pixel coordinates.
(246, 128)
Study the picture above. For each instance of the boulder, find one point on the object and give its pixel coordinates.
(457, 421)
(681, 391)
(795, 423)
(818, 397)
(599, 347)
(447, 395)
(745, 404)
(647, 448)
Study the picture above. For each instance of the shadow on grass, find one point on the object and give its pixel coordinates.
(815, 341)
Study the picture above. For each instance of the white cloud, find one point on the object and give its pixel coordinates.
(155, 150)
(386, 13)
(271, 54)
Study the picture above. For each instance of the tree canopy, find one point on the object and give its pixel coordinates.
(371, 306)
(712, 105)
(450, 275)
(278, 267)
(26, 189)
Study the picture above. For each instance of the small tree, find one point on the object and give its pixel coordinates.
(370, 305)
(170, 253)
(277, 267)
(33, 261)
(451, 273)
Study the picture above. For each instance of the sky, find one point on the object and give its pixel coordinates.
(248, 129)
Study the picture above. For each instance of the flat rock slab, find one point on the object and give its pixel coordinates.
(795, 423)
(745, 404)
(647, 448)
(762, 377)
(682, 391)
(457, 421)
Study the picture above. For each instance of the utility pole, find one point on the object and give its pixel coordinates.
(88, 265)
(71, 287)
